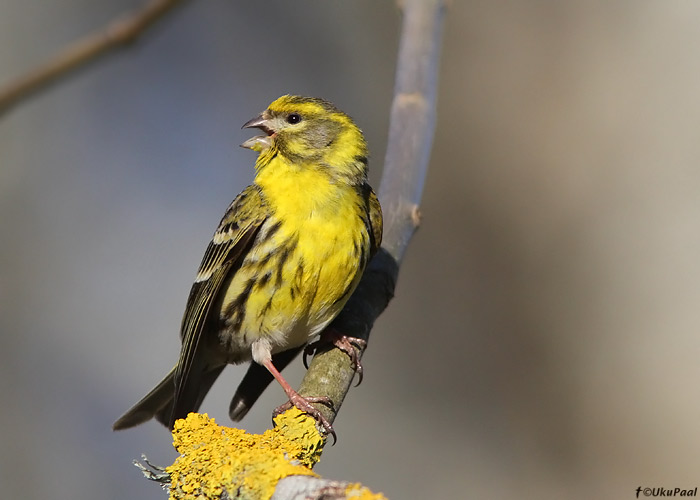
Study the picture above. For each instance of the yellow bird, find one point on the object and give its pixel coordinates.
(287, 255)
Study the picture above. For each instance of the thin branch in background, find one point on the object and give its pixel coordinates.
(412, 122)
(117, 34)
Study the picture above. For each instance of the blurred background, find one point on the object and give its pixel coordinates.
(543, 342)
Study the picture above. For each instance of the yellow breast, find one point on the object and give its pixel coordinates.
(306, 261)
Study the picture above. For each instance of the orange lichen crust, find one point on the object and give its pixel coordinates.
(215, 458)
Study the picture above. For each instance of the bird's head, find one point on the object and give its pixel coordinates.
(309, 131)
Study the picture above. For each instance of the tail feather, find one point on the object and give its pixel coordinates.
(151, 404)
(190, 398)
(160, 402)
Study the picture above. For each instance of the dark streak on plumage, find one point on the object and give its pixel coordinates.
(361, 159)
(262, 263)
(237, 307)
(272, 230)
(370, 234)
(262, 283)
(266, 307)
(288, 248)
(299, 276)
(264, 280)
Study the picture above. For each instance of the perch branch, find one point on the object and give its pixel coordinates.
(411, 132)
(117, 34)
(331, 373)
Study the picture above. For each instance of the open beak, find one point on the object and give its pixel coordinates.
(259, 143)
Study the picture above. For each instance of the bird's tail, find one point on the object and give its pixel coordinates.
(160, 402)
(153, 404)
(190, 396)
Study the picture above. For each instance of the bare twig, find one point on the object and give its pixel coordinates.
(412, 124)
(411, 133)
(117, 34)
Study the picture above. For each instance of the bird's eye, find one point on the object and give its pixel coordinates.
(293, 118)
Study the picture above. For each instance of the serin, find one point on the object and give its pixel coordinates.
(287, 255)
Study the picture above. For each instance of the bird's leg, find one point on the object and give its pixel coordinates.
(301, 402)
(344, 343)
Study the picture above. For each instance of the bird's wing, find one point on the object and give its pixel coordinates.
(230, 243)
(375, 221)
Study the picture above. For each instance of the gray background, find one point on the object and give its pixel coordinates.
(543, 342)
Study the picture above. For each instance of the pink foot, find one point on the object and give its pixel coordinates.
(342, 342)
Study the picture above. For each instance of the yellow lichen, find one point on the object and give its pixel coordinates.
(299, 429)
(356, 491)
(214, 458)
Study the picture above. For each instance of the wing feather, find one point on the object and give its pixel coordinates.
(375, 221)
(230, 243)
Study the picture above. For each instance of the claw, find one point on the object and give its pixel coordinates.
(308, 351)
